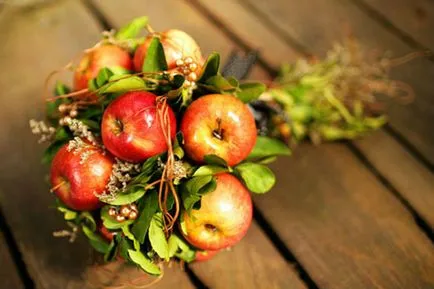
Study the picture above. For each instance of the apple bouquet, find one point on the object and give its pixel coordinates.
(153, 153)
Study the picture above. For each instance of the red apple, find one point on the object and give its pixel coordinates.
(78, 176)
(176, 44)
(202, 256)
(109, 56)
(218, 124)
(131, 128)
(223, 218)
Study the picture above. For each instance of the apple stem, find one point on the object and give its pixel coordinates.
(57, 186)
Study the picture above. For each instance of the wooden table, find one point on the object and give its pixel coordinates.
(344, 215)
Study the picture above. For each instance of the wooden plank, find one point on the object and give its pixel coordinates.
(344, 227)
(414, 18)
(337, 18)
(405, 173)
(34, 43)
(252, 261)
(261, 265)
(416, 188)
(9, 277)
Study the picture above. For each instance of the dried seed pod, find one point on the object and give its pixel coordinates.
(179, 62)
(63, 107)
(120, 218)
(187, 83)
(192, 76)
(112, 212)
(133, 207)
(61, 122)
(192, 66)
(125, 211)
(73, 113)
(185, 71)
(188, 60)
(133, 215)
(67, 120)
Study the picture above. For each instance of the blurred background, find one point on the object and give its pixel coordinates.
(354, 214)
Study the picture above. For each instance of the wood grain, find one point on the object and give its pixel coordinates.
(34, 43)
(317, 24)
(388, 157)
(414, 18)
(344, 227)
(253, 263)
(413, 181)
(9, 277)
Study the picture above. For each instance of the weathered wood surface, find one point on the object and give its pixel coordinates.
(9, 277)
(316, 24)
(252, 263)
(414, 181)
(261, 265)
(414, 19)
(343, 226)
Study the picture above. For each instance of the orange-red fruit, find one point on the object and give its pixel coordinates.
(131, 128)
(218, 124)
(109, 56)
(176, 44)
(105, 233)
(223, 218)
(77, 182)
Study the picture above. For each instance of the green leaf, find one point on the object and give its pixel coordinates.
(68, 214)
(88, 219)
(127, 233)
(150, 164)
(220, 84)
(96, 241)
(111, 223)
(178, 152)
(187, 253)
(211, 67)
(215, 160)
(51, 151)
(150, 207)
(124, 246)
(250, 91)
(62, 134)
(266, 160)
(258, 178)
(200, 185)
(103, 76)
(144, 263)
(123, 84)
(173, 245)
(266, 147)
(124, 199)
(157, 238)
(209, 170)
(193, 189)
(155, 60)
(61, 89)
(132, 29)
(112, 250)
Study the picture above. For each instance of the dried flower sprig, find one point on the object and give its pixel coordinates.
(40, 128)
